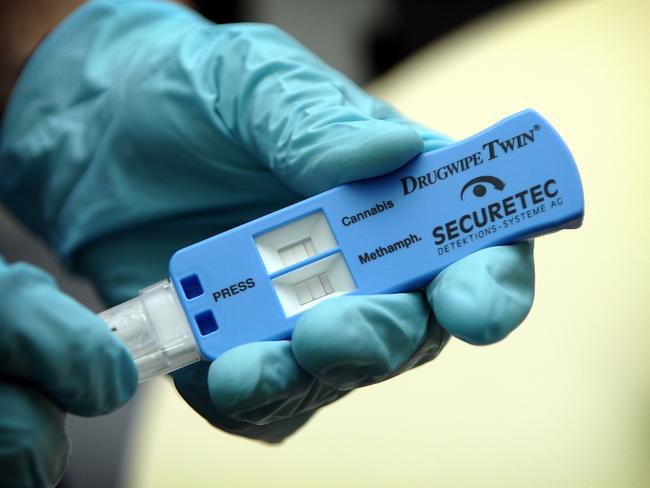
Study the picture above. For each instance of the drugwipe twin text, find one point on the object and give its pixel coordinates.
(492, 150)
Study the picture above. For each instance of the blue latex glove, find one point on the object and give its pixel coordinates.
(55, 357)
(165, 129)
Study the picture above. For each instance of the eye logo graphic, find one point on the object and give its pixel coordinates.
(480, 189)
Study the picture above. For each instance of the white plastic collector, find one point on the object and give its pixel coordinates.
(154, 329)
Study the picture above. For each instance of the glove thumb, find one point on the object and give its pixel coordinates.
(310, 125)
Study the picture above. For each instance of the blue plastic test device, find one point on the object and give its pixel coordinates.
(392, 233)
(512, 181)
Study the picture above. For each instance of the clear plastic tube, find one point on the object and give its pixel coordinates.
(154, 329)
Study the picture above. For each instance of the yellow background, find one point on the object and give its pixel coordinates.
(564, 401)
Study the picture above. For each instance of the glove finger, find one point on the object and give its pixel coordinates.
(192, 384)
(485, 296)
(432, 140)
(309, 124)
(33, 446)
(59, 346)
(352, 341)
(262, 382)
(382, 110)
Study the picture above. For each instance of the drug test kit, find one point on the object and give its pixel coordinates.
(393, 233)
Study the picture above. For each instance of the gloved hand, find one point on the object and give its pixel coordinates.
(55, 357)
(165, 129)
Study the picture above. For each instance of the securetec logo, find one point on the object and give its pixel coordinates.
(479, 189)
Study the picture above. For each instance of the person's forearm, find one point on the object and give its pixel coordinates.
(22, 26)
